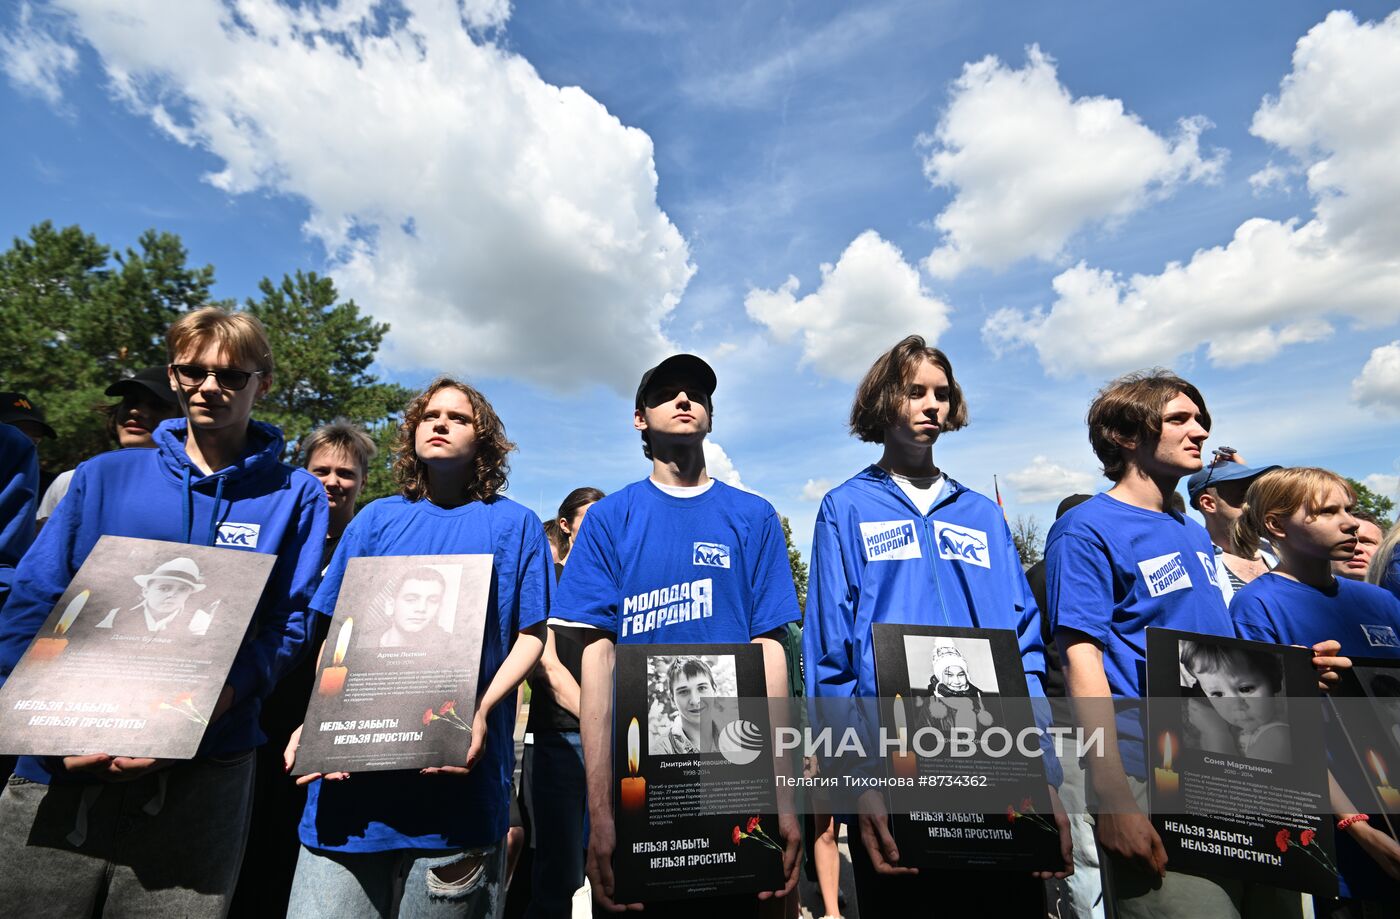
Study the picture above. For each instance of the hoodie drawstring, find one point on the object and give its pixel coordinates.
(187, 508)
(214, 517)
(186, 504)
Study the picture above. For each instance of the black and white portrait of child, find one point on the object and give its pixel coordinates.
(952, 682)
(1234, 701)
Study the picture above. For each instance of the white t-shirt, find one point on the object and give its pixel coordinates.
(924, 491)
(684, 491)
(57, 489)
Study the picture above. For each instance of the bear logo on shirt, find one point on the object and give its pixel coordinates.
(962, 544)
(1381, 636)
(1208, 563)
(711, 554)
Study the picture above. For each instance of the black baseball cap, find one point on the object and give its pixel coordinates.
(15, 406)
(685, 367)
(152, 380)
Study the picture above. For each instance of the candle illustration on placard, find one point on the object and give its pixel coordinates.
(904, 763)
(1168, 782)
(333, 677)
(634, 787)
(1390, 797)
(46, 649)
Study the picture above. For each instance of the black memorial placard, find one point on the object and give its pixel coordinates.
(396, 684)
(135, 653)
(1367, 704)
(944, 688)
(694, 800)
(1236, 760)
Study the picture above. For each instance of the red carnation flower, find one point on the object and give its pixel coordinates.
(1306, 837)
(428, 716)
(1027, 805)
(1011, 814)
(447, 707)
(737, 836)
(1281, 840)
(753, 825)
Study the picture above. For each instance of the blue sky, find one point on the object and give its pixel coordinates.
(547, 197)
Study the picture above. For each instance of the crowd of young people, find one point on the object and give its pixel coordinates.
(112, 835)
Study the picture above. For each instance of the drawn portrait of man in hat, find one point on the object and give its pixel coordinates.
(164, 593)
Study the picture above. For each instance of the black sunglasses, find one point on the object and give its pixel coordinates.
(230, 379)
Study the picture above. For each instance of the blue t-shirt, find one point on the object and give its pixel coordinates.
(1363, 617)
(1112, 570)
(379, 811)
(1366, 620)
(652, 568)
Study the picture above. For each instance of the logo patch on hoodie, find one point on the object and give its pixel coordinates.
(238, 535)
(890, 540)
(961, 544)
(1165, 574)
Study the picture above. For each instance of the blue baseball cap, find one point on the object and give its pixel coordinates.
(1227, 471)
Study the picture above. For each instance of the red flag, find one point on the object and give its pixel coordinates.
(997, 489)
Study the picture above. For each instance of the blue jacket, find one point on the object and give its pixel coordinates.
(258, 503)
(875, 558)
(19, 493)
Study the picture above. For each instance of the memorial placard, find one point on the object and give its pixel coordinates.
(694, 794)
(1237, 770)
(135, 653)
(396, 684)
(947, 690)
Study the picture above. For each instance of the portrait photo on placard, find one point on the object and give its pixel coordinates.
(952, 682)
(1233, 701)
(412, 605)
(691, 700)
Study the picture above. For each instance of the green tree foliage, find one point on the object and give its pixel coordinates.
(1372, 501)
(799, 567)
(324, 350)
(74, 317)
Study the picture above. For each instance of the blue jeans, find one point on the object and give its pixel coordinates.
(423, 883)
(556, 797)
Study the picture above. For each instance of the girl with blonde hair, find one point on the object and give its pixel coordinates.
(1306, 513)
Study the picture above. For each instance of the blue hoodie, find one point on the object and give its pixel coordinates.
(19, 493)
(258, 504)
(875, 558)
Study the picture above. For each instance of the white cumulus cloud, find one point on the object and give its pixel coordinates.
(1045, 481)
(1378, 386)
(816, 489)
(1029, 164)
(1275, 283)
(34, 60)
(502, 225)
(1383, 484)
(867, 301)
(721, 467)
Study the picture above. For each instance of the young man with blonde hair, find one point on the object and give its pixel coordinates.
(136, 836)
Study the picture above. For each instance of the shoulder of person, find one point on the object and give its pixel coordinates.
(746, 502)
